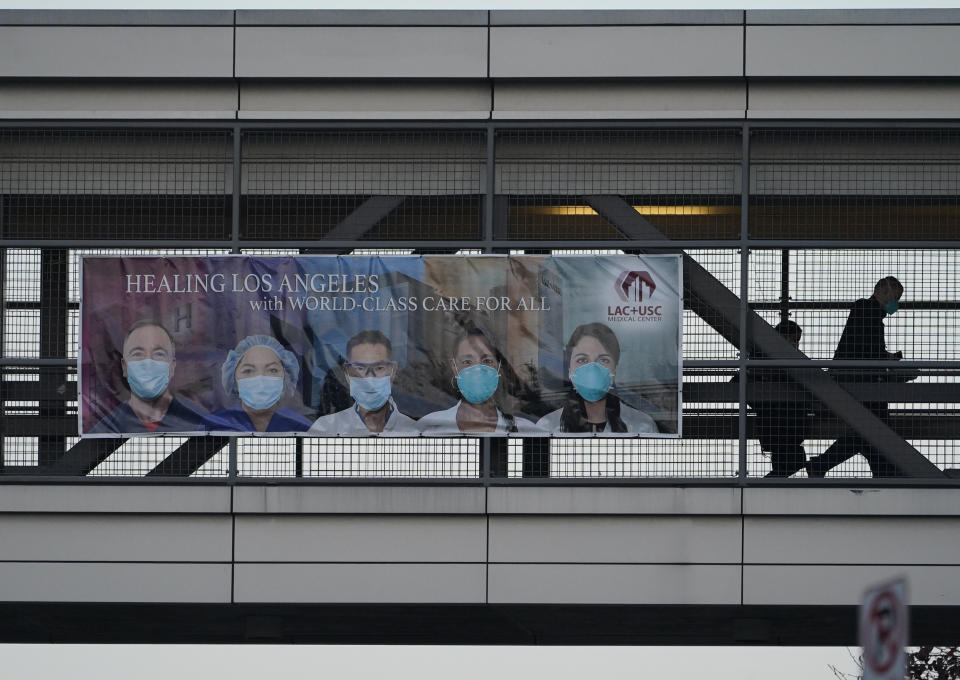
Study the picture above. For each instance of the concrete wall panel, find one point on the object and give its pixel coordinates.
(616, 51)
(361, 539)
(115, 537)
(115, 52)
(114, 17)
(854, 99)
(857, 99)
(338, 500)
(617, 99)
(361, 17)
(137, 498)
(356, 583)
(614, 584)
(844, 585)
(615, 539)
(851, 540)
(365, 100)
(852, 16)
(868, 502)
(361, 52)
(120, 99)
(848, 51)
(114, 582)
(607, 17)
(585, 500)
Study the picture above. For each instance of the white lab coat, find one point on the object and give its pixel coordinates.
(445, 423)
(637, 422)
(348, 423)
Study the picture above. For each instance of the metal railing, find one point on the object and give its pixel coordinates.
(775, 221)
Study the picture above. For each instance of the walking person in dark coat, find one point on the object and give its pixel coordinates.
(863, 338)
(781, 424)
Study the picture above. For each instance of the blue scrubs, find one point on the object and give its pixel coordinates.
(235, 419)
(181, 416)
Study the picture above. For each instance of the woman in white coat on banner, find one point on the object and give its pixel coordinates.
(477, 371)
(591, 357)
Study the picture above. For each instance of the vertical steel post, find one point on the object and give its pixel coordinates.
(54, 330)
(3, 320)
(785, 284)
(235, 190)
(486, 443)
(233, 466)
(744, 300)
(490, 193)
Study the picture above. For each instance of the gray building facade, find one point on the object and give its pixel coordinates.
(792, 157)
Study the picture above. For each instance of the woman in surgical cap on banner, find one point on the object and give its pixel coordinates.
(591, 356)
(259, 371)
(477, 369)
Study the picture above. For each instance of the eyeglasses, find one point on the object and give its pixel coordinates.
(379, 369)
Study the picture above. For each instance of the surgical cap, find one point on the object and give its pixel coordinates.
(291, 367)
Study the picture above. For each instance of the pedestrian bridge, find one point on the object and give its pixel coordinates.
(253, 132)
(469, 563)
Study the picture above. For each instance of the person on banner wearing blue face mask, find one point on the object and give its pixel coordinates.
(863, 338)
(477, 371)
(370, 371)
(259, 371)
(592, 355)
(148, 364)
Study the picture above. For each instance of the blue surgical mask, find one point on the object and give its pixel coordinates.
(891, 307)
(592, 381)
(260, 392)
(370, 393)
(148, 378)
(478, 383)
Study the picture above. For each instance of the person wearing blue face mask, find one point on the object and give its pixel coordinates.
(369, 370)
(259, 372)
(477, 371)
(592, 355)
(863, 338)
(148, 365)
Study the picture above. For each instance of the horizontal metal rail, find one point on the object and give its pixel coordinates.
(498, 244)
(698, 423)
(926, 365)
(227, 124)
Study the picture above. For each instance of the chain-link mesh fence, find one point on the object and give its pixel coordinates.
(121, 191)
(377, 185)
(855, 184)
(684, 183)
(107, 183)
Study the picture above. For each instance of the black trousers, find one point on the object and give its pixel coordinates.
(849, 445)
(785, 459)
(781, 429)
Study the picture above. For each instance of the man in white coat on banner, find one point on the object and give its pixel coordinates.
(370, 371)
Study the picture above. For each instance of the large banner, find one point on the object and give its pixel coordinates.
(393, 346)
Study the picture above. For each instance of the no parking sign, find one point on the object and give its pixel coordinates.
(884, 631)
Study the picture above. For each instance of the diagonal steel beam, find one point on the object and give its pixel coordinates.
(81, 458)
(775, 391)
(720, 308)
(189, 457)
(367, 215)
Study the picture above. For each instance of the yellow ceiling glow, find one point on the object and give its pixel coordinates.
(572, 210)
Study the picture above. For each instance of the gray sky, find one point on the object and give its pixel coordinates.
(236, 662)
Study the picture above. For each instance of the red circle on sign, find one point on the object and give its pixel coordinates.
(887, 630)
